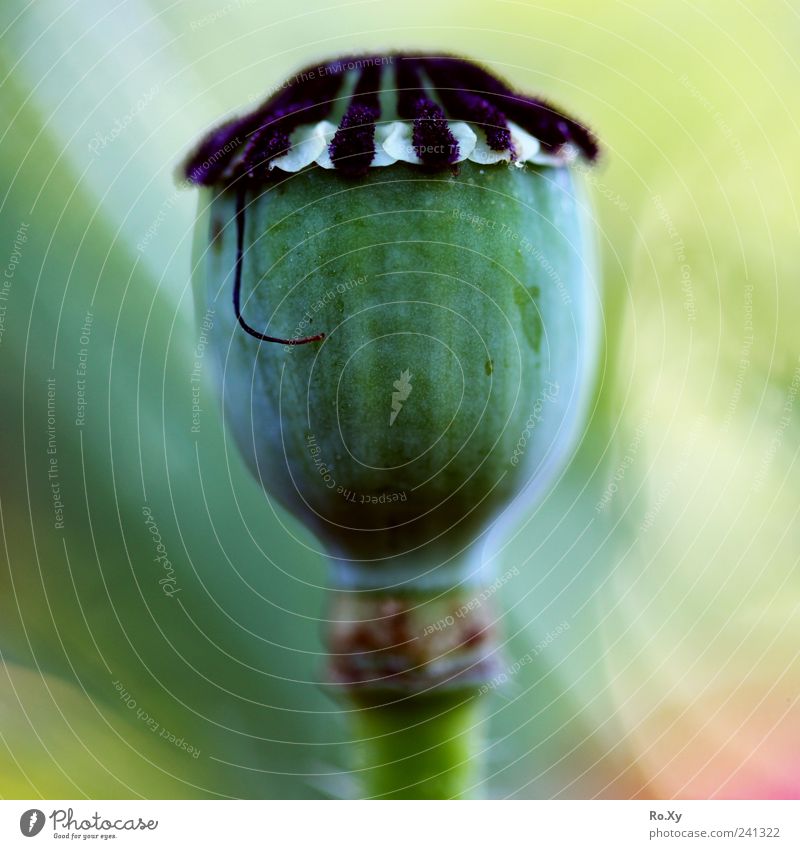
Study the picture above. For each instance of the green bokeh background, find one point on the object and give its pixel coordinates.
(670, 546)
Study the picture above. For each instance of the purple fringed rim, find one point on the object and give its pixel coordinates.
(243, 147)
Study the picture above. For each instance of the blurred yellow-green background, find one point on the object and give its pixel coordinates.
(670, 548)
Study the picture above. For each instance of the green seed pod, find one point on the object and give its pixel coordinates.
(412, 332)
(458, 313)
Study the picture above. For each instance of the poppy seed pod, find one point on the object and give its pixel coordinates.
(401, 263)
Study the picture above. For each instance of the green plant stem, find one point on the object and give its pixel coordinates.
(424, 747)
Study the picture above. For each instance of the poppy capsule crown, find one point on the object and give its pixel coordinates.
(356, 113)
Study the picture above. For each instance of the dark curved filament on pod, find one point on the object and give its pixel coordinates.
(237, 285)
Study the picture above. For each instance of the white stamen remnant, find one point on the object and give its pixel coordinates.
(394, 143)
